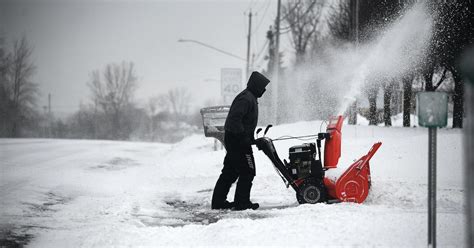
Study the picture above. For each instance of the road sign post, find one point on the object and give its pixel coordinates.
(231, 84)
(432, 110)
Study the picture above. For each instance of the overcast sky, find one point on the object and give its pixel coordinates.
(72, 38)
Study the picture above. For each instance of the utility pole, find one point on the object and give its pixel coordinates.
(248, 44)
(49, 104)
(276, 67)
(49, 115)
(467, 68)
(354, 6)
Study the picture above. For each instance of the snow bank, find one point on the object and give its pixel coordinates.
(80, 193)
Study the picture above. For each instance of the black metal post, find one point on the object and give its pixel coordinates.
(467, 68)
(432, 187)
(469, 160)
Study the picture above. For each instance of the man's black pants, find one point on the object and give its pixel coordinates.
(239, 165)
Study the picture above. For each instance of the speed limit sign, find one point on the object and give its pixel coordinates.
(231, 83)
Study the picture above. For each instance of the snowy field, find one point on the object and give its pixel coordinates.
(81, 193)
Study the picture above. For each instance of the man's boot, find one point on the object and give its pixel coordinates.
(221, 190)
(223, 205)
(248, 205)
(242, 194)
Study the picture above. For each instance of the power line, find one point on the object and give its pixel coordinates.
(262, 49)
(254, 38)
(263, 16)
(211, 47)
(265, 6)
(261, 59)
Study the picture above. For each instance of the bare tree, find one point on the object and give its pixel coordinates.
(156, 104)
(152, 105)
(372, 93)
(407, 94)
(113, 91)
(4, 96)
(388, 89)
(453, 32)
(303, 18)
(4, 61)
(179, 100)
(339, 20)
(167, 111)
(431, 82)
(20, 92)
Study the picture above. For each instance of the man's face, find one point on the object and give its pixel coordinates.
(260, 93)
(263, 91)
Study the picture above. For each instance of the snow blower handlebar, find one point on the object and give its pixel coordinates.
(267, 128)
(265, 144)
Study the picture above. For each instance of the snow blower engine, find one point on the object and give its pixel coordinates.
(305, 172)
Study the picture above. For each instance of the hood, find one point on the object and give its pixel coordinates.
(257, 83)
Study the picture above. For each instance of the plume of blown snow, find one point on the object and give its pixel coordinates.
(399, 50)
(333, 80)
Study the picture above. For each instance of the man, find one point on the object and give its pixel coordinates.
(239, 136)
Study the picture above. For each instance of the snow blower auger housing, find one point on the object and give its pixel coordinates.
(305, 172)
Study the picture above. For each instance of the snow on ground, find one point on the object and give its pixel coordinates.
(81, 193)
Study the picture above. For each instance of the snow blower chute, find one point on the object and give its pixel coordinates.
(305, 171)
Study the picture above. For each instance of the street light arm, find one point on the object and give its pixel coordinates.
(213, 48)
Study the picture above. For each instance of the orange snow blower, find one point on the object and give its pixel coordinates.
(305, 172)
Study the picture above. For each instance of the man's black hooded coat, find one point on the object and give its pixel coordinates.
(239, 135)
(243, 115)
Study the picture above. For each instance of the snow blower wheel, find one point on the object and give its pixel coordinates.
(311, 192)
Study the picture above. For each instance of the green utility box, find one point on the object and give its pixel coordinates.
(432, 109)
